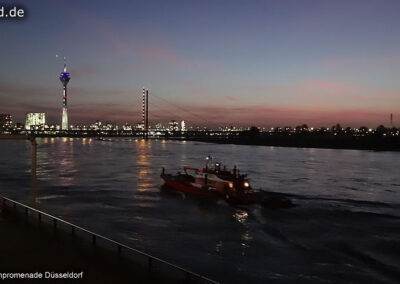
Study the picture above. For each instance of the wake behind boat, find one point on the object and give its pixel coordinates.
(216, 182)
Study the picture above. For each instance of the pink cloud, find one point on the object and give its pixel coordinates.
(158, 53)
(322, 85)
(309, 92)
(229, 98)
(377, 62)
(281, 116)
(313, 85)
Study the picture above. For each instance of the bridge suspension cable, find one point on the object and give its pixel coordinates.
(180, 108)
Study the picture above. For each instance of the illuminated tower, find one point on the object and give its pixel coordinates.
(183, 126)
(64, 78)
(145, 112)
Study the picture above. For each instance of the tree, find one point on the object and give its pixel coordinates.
(251, 133)
(348, 130)
(336, 128)
(380, 130)
(254, 131)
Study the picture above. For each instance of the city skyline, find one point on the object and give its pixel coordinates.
(260, 63)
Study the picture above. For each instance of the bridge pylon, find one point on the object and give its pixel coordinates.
(145, 112)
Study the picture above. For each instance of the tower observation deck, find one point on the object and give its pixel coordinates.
(64, 78)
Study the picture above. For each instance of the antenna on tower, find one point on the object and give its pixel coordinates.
(391, 119)
(65, 64)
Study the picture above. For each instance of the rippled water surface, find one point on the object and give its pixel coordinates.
(345, 227)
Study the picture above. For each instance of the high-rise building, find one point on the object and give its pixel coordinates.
(183, 125)
(5, 120)
(64, 78)
(159, 126)
(127, 127)
(139, 126)
(35, 119)
(173, 125)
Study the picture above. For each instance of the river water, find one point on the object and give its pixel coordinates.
(344, 228)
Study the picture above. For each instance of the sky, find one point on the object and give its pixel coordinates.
(210, 62)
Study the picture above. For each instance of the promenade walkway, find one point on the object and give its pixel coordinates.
(32, 248)
(32, 241)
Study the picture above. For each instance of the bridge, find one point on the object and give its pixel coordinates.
(151, 133)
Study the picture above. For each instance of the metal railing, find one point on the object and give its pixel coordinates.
(152, 261)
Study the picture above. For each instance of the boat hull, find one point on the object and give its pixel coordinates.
(184, 184)
(189, 188)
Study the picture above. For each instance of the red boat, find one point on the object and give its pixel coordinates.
(217, 182)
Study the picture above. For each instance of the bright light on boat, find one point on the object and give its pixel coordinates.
(230, 185)
(246, 184)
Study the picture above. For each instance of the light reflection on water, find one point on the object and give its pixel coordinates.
(66, 164)
(113, 187)
(143, 163)
(241, 216)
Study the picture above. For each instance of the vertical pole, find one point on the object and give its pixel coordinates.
(143, 111)
(147, 113)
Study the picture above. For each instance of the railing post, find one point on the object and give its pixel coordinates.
(14, 205)
(94, 239)
(187, 277)
(72, 230)
(40, 217)
(119, 250)
(55, 223)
